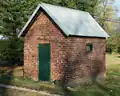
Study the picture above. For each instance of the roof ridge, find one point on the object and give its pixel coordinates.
(65, 7)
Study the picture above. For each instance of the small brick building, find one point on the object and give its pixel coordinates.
(63, 44)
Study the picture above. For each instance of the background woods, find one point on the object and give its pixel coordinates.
(15, 13)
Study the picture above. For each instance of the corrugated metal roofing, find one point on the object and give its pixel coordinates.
(71, 21)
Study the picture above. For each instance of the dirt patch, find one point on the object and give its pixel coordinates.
(16, 70)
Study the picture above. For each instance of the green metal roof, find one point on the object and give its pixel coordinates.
(71, 21)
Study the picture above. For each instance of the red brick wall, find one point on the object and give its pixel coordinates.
(69, 58)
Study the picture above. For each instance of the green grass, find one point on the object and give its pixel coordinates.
(28, 83)
(113, 71)
(13, 92)
(14, 76)
(111, 86)
(112, 81)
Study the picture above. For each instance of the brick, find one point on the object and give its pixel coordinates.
(69, 59)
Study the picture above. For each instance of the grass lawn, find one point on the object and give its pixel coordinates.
(113, 70)
(110, 88)
(14, 77)
(13, 92)
(112, 81)
(28, 83)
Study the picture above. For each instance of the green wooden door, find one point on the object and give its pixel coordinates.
(44, 62)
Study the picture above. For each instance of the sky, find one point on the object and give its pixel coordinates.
(1, 36)
(117, 3)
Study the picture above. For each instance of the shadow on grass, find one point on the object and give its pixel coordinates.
(5, 78)
(96, 89)
(105, 89)
(118, 56)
